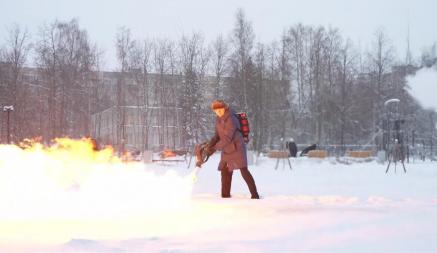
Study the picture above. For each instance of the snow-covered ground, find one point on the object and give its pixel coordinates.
(318, 206)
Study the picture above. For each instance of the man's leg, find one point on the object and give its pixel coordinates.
(250, 182)
(226, 182)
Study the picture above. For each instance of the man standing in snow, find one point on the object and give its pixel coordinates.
(229, 139)
(292, 148)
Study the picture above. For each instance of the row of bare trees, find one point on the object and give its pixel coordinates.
(53, 98)
(15, 52)
(311, 84)
(170, 80)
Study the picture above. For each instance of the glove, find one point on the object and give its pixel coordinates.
(199, 164)
(210, 150)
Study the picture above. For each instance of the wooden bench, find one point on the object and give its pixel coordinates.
(359, 154)
(318, 154)
(278, 154)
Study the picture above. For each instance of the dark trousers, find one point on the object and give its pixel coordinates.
(227, 180)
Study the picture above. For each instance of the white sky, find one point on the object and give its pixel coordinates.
(356, 20)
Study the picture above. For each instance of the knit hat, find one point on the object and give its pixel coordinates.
(217, 104)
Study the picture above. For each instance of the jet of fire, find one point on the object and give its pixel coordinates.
(69, 183)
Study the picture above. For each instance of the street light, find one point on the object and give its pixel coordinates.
(8, 109)
(395, 150)
(393, 100)
(390, 114)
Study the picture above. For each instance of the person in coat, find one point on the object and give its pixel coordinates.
(229, 140)
(292, 147)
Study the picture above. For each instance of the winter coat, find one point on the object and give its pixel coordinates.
(229, 140)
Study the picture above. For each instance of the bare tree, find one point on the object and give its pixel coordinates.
(141, 65)
(124, 45)
(194, 59)
(66, 60)
(219, 61)
(98, 100)
(259, 110)
(47, 61)
(169, 97)
(380, 59)
(193, 67)
(242, 40)
(346, 79)
(15, 56)
(76, 63)
(297, 40)
(160, 87)
(328, 101)
(285, 93)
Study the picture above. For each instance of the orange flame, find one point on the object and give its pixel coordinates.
(71, 181)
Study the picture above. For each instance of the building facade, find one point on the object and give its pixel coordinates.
(144, 111)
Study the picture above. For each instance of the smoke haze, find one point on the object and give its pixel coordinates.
(423, 87)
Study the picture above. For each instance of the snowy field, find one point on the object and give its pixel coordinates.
(319, 206)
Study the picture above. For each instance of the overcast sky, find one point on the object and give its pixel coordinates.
(356, 20)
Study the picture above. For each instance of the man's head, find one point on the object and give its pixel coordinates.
(219, 107)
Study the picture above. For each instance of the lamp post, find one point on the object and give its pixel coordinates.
(391, 115)
(432, 133)
(8, 109)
